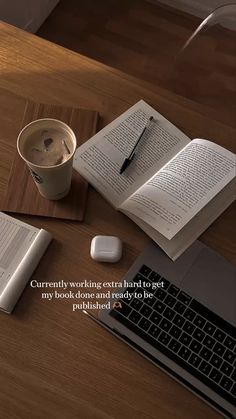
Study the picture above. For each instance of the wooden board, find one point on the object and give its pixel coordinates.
(22, 195)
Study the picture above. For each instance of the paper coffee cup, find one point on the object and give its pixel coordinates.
(48, 146)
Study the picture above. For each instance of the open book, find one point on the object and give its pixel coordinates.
(21, 248)
(173, 189)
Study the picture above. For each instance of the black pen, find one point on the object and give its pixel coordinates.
(129, 159)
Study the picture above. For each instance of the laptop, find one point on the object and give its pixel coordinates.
(182, 315)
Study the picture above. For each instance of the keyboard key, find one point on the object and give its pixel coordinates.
(199, 321)
(234, 375)
(168, 313)
(198, 334)
(205, 353)
(229, 343)
(216, 361)
(215, 375)
(178, 320)
(130, 286)
(209, 328)
(184, 353)
(170, 301)
(188, 327)
(175, 332)
(219, 335)
(229, 356)
(135, 316)
(149, 301)
(145, 270)
(155, 318)
(233, 390)
(173, 290)
(165, 283)
(136, 304)
(147, 286)
(205, 368)
(195, 346)
(179, 307)
(140, 292)
(126, 300)
(189, 314)
(154, 331)
(153, 276)
(227, 369)
(184, 298)
(160, 294)
(145, 310)
(144, 324)
(209, 342)
(124, 309)
(194, 360)
(219, 349)
(139, 278)
(159, 306)
(174, 345)
(165, 325)
(164, 338)
(212, 317)
(185, 339)
(226, 383)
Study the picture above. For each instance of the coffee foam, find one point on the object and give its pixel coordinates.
(48, 147)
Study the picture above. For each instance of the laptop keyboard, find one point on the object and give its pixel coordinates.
(183, 329)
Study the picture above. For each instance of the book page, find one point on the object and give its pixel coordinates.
(196, 226)
(99, 160)
(15, 239)
(172, 197)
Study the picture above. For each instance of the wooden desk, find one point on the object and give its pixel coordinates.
(58, 364)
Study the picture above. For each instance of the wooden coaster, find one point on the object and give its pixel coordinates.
(22, 195)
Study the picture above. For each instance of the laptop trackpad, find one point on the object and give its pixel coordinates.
(212, 281)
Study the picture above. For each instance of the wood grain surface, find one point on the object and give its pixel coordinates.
(55, 363)
(145, 39)
(22, 195)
